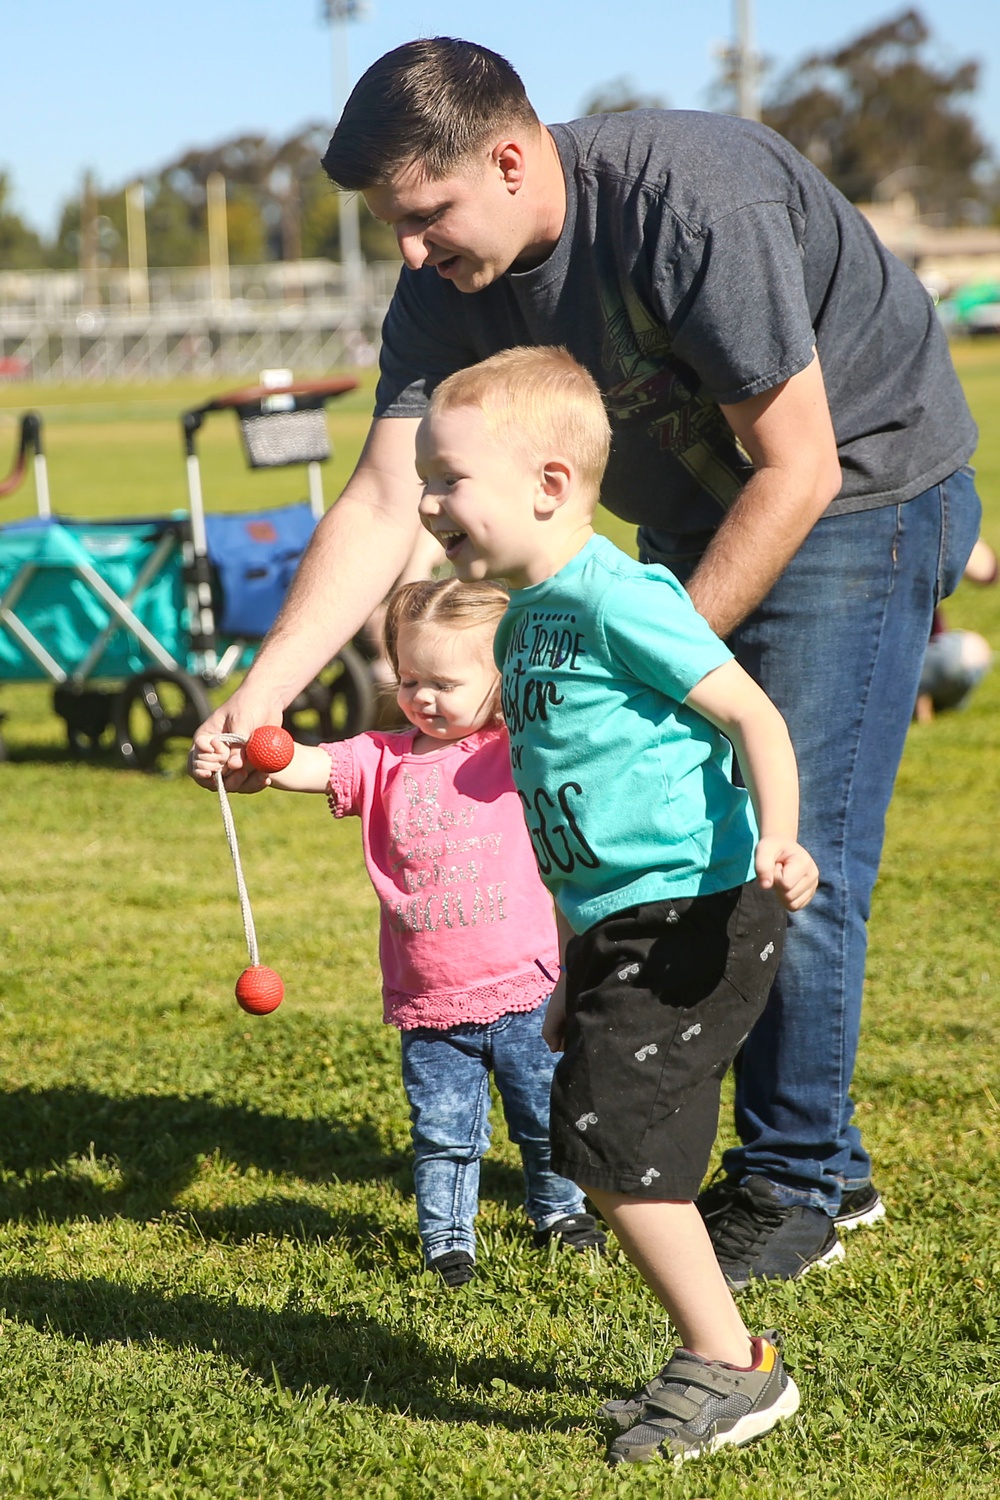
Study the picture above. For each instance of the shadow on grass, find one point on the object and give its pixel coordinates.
(60, 1141)
(158, 1143)
(353, 1356)
(61, 755)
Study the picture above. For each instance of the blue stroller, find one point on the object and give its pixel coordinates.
(135, 620)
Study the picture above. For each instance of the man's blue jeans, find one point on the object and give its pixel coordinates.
(446, 1075)
(838, 645)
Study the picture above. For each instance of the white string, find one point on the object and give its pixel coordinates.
(234, 849)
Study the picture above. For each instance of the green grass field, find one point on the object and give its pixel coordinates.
(209, 1267)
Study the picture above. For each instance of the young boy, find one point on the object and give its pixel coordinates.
(669, 881)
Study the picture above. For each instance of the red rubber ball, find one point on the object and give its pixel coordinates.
(259, 990)
(270, 748)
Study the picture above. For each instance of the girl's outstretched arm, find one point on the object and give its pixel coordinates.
(307, 771)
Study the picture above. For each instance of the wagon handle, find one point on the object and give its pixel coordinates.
(335, 386)
(30, 440)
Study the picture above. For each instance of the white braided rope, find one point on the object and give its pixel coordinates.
(230, 826)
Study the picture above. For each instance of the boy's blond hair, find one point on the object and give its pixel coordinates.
(539, 402)
(450, 603)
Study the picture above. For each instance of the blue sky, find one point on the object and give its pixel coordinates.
(121, 86)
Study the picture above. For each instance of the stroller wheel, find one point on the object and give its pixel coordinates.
(152, 708)
(340, 702)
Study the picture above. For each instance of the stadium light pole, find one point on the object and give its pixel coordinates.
(747, 62)
(338, 13)
(135, 228)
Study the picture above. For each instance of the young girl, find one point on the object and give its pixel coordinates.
(468, 945)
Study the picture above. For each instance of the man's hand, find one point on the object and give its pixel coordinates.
(241, 714)
(361, 545)
(788, 434)
(789, 869)
(554, 1025)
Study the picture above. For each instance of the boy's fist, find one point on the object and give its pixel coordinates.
(791, 870)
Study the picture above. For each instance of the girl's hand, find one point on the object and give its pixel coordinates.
(209, 753)
(554, 1025)
(791, 870)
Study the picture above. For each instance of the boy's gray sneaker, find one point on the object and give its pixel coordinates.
(623, 1412)
(695, 1406)
(756, 1236)
(860, 1208)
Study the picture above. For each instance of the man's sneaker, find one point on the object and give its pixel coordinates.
(716, 1198)
(455, 1267)
(758, 1236)
(695, 1406)
(860, 1207)
(578, 1231)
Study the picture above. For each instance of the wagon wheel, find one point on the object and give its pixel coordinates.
(338, 703)
(152, 708)
(86, 712)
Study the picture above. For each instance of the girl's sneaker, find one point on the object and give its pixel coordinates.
(455, 1267)
(695, 1406)
(576, 1231)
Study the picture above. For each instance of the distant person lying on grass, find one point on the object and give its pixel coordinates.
(468, 944)
(957, 660)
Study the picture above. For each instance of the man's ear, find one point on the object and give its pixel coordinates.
(555, 484)
(508, 156)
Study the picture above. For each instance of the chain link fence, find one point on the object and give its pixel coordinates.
(113, 325)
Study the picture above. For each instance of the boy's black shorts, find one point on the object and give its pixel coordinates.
(659, 998)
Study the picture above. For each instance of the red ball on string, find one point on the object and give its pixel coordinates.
(259, 990)
(269, 748)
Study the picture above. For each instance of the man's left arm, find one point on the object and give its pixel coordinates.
(788, 434)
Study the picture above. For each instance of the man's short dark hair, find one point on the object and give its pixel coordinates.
(435, 101)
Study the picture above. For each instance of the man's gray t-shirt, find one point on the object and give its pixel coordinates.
(701, 260)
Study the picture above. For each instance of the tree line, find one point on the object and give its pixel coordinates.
(879, 115)
(280, 205)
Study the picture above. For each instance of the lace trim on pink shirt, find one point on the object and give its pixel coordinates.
(477, 1006)
(339, 788)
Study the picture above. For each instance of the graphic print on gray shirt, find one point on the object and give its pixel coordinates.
(701, 260)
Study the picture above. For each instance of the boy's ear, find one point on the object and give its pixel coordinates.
(555, 485)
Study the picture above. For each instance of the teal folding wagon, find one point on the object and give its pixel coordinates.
(134, 621)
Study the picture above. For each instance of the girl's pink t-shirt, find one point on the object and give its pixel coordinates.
(466, 922)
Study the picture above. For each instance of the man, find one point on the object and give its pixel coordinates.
(790, 438)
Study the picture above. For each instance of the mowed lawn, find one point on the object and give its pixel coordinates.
(210, 1278)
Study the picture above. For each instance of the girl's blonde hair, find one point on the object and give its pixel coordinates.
(534, 398)
(452, 604)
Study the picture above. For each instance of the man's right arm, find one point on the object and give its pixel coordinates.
(358, 550)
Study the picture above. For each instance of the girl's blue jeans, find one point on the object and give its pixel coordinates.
(446, 1075)
(838, 645)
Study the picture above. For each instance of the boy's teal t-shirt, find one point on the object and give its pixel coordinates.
(628, 795)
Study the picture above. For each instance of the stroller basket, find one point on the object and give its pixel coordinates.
(276, 438)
